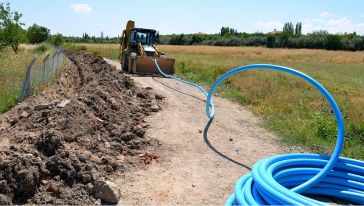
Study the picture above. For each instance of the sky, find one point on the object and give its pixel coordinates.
(74, 17)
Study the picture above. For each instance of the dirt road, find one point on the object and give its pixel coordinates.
(199, 162)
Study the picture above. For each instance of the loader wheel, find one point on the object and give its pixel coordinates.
(132, 59)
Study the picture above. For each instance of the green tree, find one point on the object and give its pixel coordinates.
(288, 28)
(196, 39)
(37, 34)
(57, 39)
(298, 29)
(224, 31)
(333, 42)
(11, 32)
(271, 41)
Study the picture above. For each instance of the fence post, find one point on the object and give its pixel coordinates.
(54, 62)
(26, 89)
(58, 57)
(44, 67)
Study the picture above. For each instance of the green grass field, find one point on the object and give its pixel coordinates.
(12, 73)
(290, 107)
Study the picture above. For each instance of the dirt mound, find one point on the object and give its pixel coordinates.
(86, 127)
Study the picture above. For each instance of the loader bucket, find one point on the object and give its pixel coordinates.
(146, 65)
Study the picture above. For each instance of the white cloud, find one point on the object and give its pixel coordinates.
(332, 25)
(270, 25)
(325, 14)
(339, 23)
(81, 8)
(329, 23)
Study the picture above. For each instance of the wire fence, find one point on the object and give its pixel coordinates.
(41, 73)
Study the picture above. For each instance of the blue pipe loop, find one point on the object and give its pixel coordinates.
(285, 179)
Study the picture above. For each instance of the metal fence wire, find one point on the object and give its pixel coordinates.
(41, 73)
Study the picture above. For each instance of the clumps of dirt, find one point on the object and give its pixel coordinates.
(72, 136)
(20, 174)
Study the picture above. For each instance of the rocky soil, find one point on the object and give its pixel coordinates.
(62, 146)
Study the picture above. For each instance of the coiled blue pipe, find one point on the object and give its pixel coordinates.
(285, 179)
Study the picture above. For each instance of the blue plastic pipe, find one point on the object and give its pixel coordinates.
(285, 179)
(211, 105)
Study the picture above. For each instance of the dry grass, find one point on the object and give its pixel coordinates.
(272, 55)
(106, 50)
(12, 73)
(291, 107)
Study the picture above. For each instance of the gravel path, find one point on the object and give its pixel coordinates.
(199, 162)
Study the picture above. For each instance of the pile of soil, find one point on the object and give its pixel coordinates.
(87, 126)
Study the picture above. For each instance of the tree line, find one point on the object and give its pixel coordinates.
(86, 38)
(290, 37)
(12, 34)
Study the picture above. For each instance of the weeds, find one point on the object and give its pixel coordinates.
(12, 72)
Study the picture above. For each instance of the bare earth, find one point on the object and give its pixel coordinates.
(198, 165)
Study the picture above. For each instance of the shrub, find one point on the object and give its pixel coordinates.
(271, 40)
(37, 34)
(333, 42)
(57, 39)
(42, 48)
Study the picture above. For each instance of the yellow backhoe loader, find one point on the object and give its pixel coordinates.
(138, 51)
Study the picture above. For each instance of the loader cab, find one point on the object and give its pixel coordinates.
(143, 36)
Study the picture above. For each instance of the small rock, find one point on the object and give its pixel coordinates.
(97, 202)
(230, 139)
(95, 174)
(116, 132)
(44, 106)
(63, 103)
(44, 182)
(159, 97)
(116, 146)
(23, 115)
(13, 121)
(107, 191)
(127, 136)
(48, 199)
(141, 95)
(90, 188)
(95, 119)
(70, 138)
(95, 159)
(53, 188)
(154, 108)
(109, 169)
(114, 103)
(86, 178)
(4, 125)
(199, 131)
